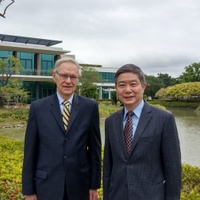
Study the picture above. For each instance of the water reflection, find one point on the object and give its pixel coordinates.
(188, 124)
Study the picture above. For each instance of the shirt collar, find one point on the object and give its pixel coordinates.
(137, 111)
(60, 99)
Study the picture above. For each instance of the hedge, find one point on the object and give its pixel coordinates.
(11, 168)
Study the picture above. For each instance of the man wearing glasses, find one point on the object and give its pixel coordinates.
(62, 142)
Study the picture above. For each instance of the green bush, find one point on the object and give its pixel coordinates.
(13, 115)
(175, 104)
(11, 152)
(105, 111)
(190, 182)
(10, 168)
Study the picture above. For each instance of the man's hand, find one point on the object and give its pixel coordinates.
(93, 194)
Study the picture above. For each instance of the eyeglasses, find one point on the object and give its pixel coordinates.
(66, 76)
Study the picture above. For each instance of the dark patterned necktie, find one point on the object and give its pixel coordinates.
(66, 114)
(128, 132)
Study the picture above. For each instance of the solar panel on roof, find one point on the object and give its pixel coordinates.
(28, 40)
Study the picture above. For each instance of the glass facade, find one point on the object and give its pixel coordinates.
(5, 54)
(38, 90)
(29, 62)
(47, 63)
(42, 64)
(108, 77)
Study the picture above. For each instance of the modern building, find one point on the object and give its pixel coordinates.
(38, 57)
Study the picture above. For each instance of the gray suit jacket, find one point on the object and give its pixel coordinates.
(53, 156)
(153, 169)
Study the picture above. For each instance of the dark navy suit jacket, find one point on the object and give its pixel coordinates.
(53, 157)
(153, 169)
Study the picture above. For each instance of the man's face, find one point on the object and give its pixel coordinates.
(130, 90)
(66, 78)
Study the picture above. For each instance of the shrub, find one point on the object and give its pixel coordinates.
(105, 111)
(175, 104)
(13, 115)
(190, 182)
(10, 168)
(10, 190)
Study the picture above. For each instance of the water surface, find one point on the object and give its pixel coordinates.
(188, 124)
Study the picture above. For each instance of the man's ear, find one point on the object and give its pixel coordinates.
(144, 85)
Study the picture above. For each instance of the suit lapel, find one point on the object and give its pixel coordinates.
(119, 129)
(74, 111)
(55, 109)
(142, 124)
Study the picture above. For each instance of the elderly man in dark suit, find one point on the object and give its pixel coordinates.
(62, 158)
(142, 159)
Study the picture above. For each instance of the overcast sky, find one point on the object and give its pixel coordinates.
(160, 36)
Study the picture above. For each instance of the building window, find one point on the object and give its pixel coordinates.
(46, 67)
(28, 67)
(47, 63)
(108, 77)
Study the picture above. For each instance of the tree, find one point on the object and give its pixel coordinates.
(13, 92)
(87, 87)
(9, 67)
(89, 90)
(114, 98)
(191, 74)
(153, 85)
(5, 9)
(183, 91)
(162, 93)
(166, 80)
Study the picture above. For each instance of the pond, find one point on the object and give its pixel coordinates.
(188, 124)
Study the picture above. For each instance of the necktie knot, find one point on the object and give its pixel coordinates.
(130, 113)
(66, 103)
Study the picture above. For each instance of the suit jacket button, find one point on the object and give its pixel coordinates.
(65, 157)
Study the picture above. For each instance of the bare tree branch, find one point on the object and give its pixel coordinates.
(4, 13)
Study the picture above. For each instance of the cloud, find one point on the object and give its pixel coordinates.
(160, 37)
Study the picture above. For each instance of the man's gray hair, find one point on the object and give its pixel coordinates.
(67, 59)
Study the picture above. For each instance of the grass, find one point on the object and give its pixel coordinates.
(16, 133)
(14, 127)
(13, 121)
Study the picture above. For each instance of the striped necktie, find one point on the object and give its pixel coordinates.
(128, 132)
(66, 114)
